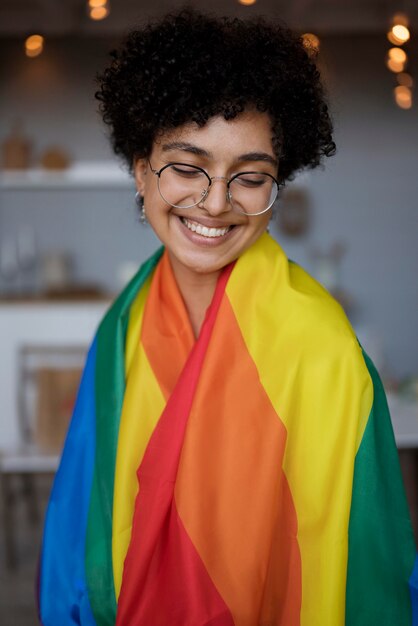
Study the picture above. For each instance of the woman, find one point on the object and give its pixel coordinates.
(230, 459)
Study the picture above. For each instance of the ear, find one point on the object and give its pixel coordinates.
(140, 174)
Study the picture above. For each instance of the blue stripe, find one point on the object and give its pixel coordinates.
(63, 591)
(413, 588)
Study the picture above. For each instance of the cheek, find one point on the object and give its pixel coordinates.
(262, 223)
(151, 192)
(149, 196)
(158, 215)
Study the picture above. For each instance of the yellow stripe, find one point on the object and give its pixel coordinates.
(312, 368)
(142, 407)
(135, 323)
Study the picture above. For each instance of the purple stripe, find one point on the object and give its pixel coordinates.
(413, 588)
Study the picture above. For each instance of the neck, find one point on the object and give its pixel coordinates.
(197, 291)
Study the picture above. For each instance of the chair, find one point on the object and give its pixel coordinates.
(48, 381)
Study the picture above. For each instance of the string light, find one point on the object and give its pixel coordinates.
(394, 66)
(397, 59)
(34, 45)
(98, 9)
(401, 32)
(405, 79)
(393, 39)
(398, 34)
(398, 55)
(99, 13)
(403, 97)
(311, 42)
(400, 18)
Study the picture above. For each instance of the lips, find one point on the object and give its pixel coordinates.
(205, 231)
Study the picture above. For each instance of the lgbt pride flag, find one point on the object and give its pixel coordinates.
(247, 478)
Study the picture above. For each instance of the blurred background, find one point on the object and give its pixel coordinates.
(70, 236)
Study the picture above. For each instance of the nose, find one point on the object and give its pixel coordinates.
(217, 200)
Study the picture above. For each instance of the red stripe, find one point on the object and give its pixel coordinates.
(164, 580)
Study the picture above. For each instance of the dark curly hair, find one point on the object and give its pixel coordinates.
(189, 66)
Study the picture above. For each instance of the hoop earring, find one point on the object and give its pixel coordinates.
(139, 201)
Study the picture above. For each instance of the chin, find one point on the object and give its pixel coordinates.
(202, 266)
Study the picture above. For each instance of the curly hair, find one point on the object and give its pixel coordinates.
(189, 66)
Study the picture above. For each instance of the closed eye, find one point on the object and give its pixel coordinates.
(252, 180)
(186, 171)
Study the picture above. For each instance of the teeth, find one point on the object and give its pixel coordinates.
(203, 230)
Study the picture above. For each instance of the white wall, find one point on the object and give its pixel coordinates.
(366, 197)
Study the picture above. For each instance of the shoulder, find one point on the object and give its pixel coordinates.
(314, 305)
(279, 305)
(320, 323)
(304, 308)
(326, 353)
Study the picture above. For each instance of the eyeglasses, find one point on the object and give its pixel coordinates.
(184, 186)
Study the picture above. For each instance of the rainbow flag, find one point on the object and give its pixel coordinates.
(249, 477)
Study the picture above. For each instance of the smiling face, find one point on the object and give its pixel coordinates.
(206, 237)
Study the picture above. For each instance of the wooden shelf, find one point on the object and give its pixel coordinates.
(81, 175)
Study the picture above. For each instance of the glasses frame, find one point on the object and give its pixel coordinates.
(205, 193)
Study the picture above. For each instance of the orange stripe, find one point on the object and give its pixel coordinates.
(167, 335)
(231, 492)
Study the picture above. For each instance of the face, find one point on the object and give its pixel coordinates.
(223, 148)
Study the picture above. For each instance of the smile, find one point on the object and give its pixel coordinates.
(204, 230)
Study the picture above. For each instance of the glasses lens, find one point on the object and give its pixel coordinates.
(182, 186)
(253, 192)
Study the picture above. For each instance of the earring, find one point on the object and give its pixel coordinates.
(139, 201)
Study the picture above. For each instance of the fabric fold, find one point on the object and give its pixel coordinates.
(248, 478)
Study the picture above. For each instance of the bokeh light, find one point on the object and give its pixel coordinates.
(394, 66)
(398, 55)
(403, 97)
(405, 79)
(99, 13)
(400, 32)
(311, 42)
(400, 18)
(34, 45)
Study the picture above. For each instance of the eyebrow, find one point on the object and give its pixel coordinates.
(192, 149)
(186, 147)
(258, 156)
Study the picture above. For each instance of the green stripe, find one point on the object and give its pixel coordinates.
(381, 545)
(109, 392)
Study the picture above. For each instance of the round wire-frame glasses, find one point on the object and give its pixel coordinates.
(248, 180)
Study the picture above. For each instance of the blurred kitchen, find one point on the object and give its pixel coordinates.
(70, 235)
